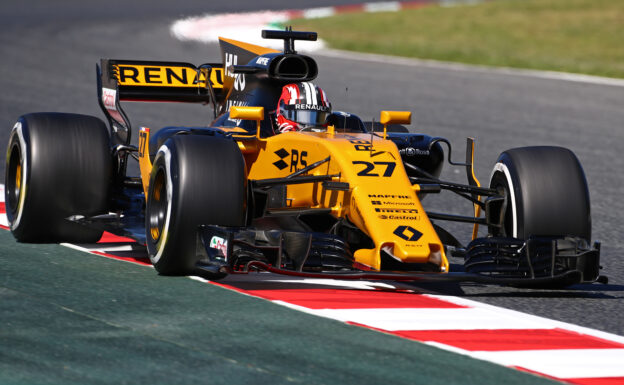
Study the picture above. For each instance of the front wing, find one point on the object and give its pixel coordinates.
(537, 262)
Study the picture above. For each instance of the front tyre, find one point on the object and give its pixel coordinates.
(195, 180)
(547, 193)
(57, 165)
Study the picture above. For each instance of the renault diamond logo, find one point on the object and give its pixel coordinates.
(280, 164)
(408, 233)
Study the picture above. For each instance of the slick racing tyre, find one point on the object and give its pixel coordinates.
(195, 180)
(547, 193)
(58, 165)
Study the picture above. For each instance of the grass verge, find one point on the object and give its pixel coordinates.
(583, 36)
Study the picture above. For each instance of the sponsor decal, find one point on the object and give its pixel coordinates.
(309, 107)
(400, 217)
(230, 60)
(366, 145)
(239, 79)
(297, 159)
(219, 244)
(405, 217)
(237, 103)
(396, 210)
(390, 203)
(263, 61)
(239, 82)
(400, 203)
(407, 233)
(166, 76)
(389, 196)
(361, 145)
(411, 151)
(109, 98)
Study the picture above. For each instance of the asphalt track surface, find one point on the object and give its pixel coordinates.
(48, 53)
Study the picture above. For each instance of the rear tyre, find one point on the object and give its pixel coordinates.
(195, 180)
(547, 190)
(58, 165)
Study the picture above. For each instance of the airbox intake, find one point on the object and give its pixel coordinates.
(293, 67)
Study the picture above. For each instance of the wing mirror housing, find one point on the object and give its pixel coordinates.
(394, 117)
(248, 113)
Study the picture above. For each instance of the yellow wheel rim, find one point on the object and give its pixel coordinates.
(157, 195)
(18, 177)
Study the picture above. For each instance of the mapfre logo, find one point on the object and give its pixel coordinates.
(389, 196)
(263, 61)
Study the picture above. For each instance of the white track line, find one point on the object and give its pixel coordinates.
(562, 363)
(547, 322)
(404, 319)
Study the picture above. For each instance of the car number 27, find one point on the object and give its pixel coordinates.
(373, 168)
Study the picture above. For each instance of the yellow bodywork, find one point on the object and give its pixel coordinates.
(145, 164)
(380, 200)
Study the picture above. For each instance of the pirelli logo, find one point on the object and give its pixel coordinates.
(396, 210)
(166, 76)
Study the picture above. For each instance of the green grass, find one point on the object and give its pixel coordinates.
(583, 36)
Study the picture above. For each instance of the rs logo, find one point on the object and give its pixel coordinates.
(407, 233)
(297, 158)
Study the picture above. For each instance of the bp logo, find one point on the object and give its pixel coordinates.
(407, 233)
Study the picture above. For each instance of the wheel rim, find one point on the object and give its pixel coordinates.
(14, 186)
(158, 206)
(499, 182)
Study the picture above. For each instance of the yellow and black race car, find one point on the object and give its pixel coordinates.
(335, 198)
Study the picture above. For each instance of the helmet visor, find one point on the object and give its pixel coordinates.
(306, 117)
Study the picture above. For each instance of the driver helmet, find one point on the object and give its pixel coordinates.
(302, 105)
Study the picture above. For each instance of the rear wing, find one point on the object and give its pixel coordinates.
(154, 81)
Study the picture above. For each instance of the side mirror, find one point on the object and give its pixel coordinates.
(248, 113)
(394, 117)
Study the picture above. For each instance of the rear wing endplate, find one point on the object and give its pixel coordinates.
(153, 81)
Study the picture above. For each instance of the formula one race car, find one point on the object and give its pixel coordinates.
(336, 198)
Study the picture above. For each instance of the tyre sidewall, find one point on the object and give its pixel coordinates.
(504, 175)
(65, 171)
(199, 192)
(548, 194)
